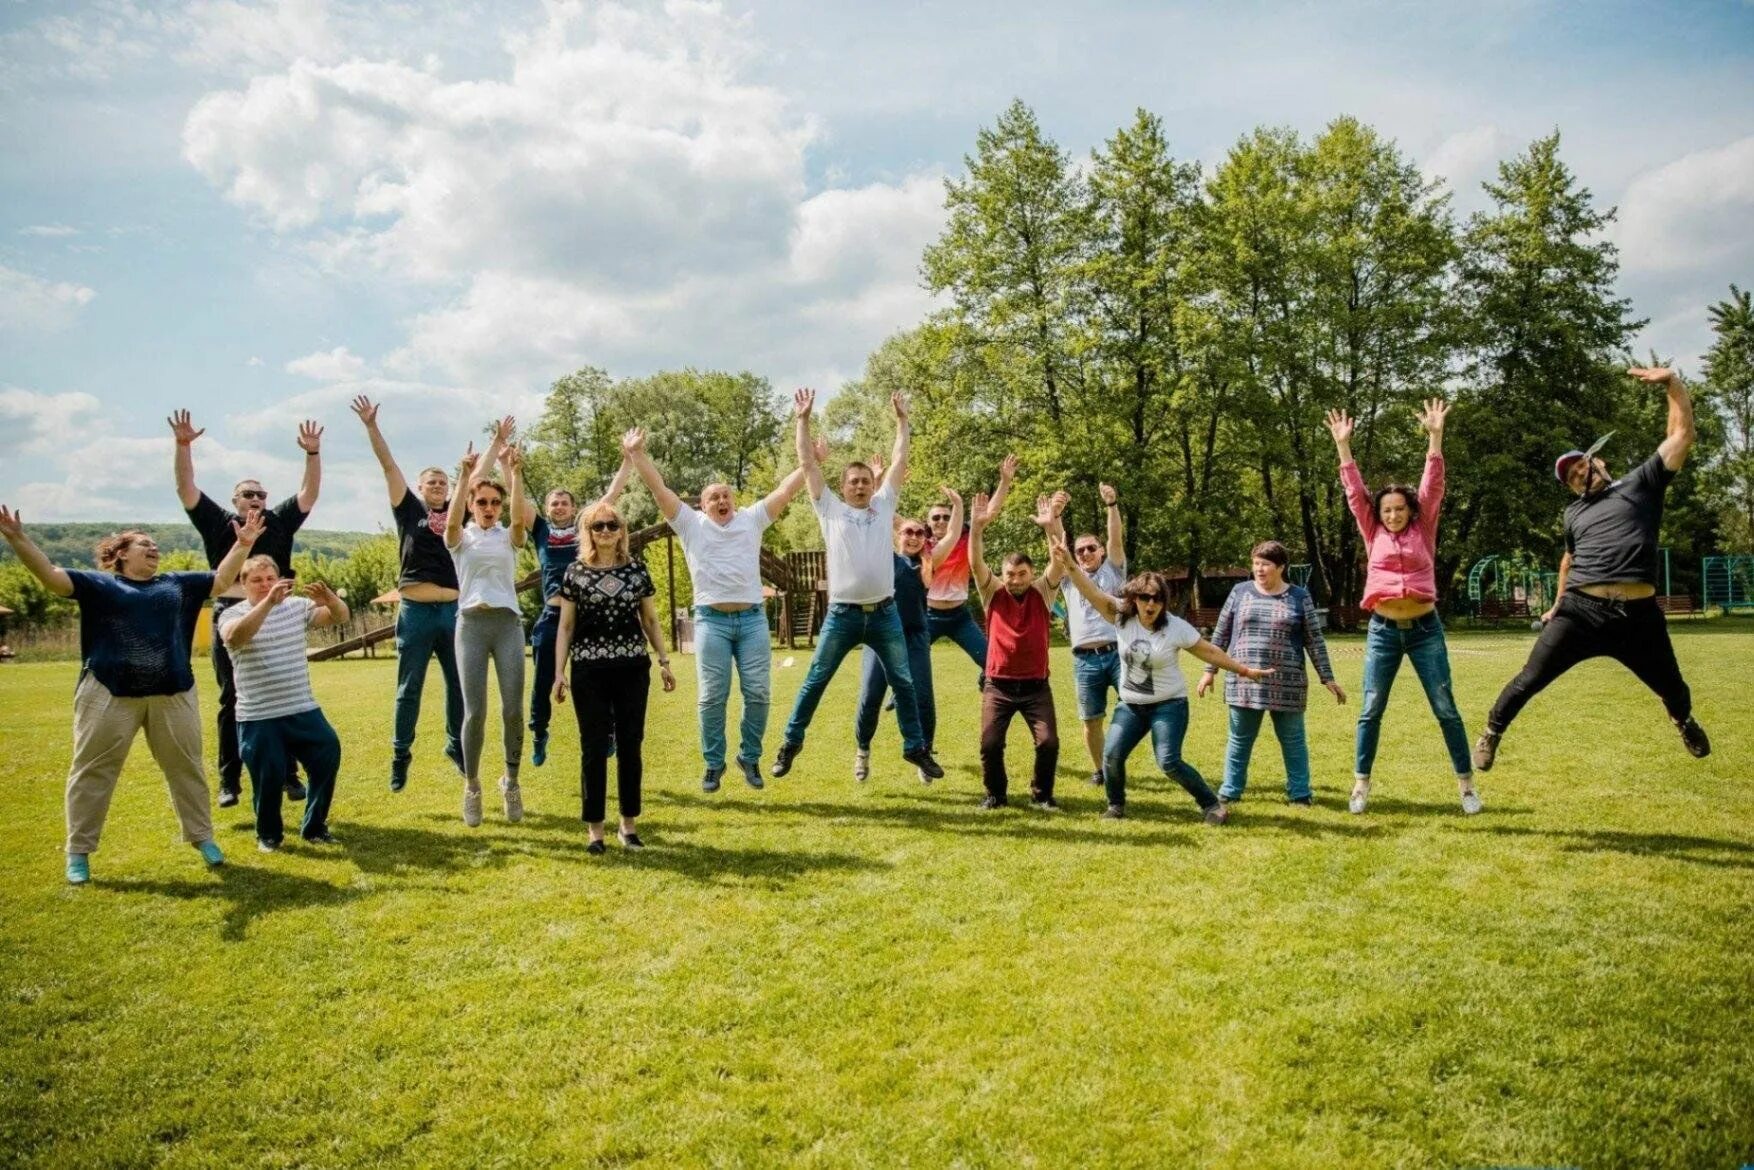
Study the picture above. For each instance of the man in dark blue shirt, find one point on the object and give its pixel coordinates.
(1606, 602)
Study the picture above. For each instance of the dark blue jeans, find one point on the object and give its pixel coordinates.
(874, 683)
(960, 627)
(1167, 724)
(268, 746)
(1421, 641)
(423, 629)
(542, 638)
(845, 627)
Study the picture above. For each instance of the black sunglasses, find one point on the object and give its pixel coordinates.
(940, 518)
(1154, 597)
(606, 526)
(248, 494)
(1089, 548)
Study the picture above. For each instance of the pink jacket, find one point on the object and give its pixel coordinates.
(1401, 564)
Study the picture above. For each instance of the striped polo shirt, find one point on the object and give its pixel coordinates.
(273, 678)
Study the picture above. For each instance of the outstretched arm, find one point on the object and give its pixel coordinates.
(367, 410)
(633, 453)
(1431, 482)
(1357, 495)
(1105, 605)
(53, 577)
(1206, 652)
(310, 440)
(225, 573)
(460, 501)
(803, 402)
(503, 430)
(1007, 475)
(184, 432)
(512, 459)
(977, 549)
(788, 488)
(1680, 437)
(331, 609)
(953, 531)
(1117, 527)
(903, 440)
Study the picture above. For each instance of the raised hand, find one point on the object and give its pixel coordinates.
(367, 410)
(1338, 691)
(281, 590)
(950, 492)
(513, 456)
(182, 429)
(980, 515)
(1044, 510)
(803, 402)
(1340, 426)
(1653, 375)
(1008, 469)
(504, 429)
(1059, 500)
(876, 462)
(252, 528)
(898, 404)
(319, 592)
(1431, 417)
(11, 524)
(310, 436)
(634, 441)
(466, 464)
(1059, 553)
(819, 447)
(1107, 492)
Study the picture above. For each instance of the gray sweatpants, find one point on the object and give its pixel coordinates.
(496, 634)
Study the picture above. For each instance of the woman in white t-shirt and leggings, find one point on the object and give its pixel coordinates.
(490, 624)
(1154, 695)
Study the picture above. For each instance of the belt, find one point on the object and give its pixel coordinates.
(1402, 623)
(725, 607)
(864, 606)
(1099, 648)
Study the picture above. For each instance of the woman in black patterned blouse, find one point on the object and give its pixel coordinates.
(606, 620)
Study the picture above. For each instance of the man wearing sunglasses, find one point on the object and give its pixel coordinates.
(215, 524)
(856, 527)
(1606, 604)
(1096, 659)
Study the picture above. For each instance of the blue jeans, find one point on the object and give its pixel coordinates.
(269, 746)
(425, 628)
(845, 627)
(873, 683)
(1168, 724)
(1094, 675)
(542, 638)
(960, 627)
(719, 640)
(1421, 641)
(1245, 725)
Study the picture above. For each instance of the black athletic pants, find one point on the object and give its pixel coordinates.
(1633, 633)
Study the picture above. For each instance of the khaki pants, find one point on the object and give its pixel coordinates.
(104, 727)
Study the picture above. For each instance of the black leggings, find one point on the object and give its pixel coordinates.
(1633, 633)
(610, 695)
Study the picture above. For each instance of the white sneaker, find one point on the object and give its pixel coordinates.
(471, 807)
(1470, 801)
(1360, 795)
(514, 799)
(862, 766)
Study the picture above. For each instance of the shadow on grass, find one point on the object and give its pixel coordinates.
(247, 892)
(1394, 806)
(1672, 846)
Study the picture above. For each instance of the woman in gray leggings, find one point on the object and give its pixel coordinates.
(490, 625)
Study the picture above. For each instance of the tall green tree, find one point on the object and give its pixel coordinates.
(1728, 391)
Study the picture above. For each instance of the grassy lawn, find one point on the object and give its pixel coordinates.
(832, 974)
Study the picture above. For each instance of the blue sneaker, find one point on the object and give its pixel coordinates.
(539, 750)
(710, 781)
(751, 772)
(209, 851)
(78, 868)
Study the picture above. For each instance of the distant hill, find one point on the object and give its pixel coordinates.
(70, 545)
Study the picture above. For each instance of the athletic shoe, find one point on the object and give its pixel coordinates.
(322, 837)
(398, 775)
(1693, 735)
(782, 759)
(751, 770)
(471, 807)
(78, 868)
(454, 753)
(596, 848)
(1471, 803)
(710, 781)
(862, 766)
(1218, 814)
(295, 791)
(228, 797)
(1115, 812)
(922, 759)
(513, 797)
(209, 851)
(539, 749)
(1300, 801)
(1096, 780)
(1486, 750)
(630, 840)
(267, 846)
(921, 773)
(991, 801)
(1360, 796)
(1046, 804)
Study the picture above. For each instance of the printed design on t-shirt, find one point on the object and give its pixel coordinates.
(435, 521)
(606, 622)
(860, 517)
(563, 537)
(1138, 660)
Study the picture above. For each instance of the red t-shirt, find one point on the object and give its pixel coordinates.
(1017, 635)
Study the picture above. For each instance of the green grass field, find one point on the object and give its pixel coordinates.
(833, 974)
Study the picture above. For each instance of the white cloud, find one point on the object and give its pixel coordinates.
(48, 230)
(232, 36)
(1467, 158)
(1690, 212)
(255, 361)
(32, 423)
(335, 365)
(30, 304)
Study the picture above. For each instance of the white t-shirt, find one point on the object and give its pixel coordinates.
(1084, 625)
(861, 546)
(724, 560)
(487, 569)
(1149, 670)
(273, 678)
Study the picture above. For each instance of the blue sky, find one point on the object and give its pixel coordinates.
(257, 210)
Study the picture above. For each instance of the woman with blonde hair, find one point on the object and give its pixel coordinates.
(607, 618)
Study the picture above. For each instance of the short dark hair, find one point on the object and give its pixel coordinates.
(1271, 550)
(570, 498)
(1405, 491)
(864, 467)
(1019, 558)
(1146, 582)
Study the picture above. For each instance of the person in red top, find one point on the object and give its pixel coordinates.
(1399, 527)
(1017, 663)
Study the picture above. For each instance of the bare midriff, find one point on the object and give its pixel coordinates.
(1402, 609)
(426, 591)
(943, 606)
(1620, 590)
(730, 606)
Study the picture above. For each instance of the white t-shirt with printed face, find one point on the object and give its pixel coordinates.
(1149, 670)
(1085, 626)
(724, 560)
(861, 546)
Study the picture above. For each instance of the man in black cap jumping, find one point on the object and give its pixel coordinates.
(1606, 603)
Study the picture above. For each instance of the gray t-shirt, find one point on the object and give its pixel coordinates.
(1083, 623)
(273, 676)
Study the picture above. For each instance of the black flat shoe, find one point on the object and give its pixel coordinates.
(631, 841)
(596, 848)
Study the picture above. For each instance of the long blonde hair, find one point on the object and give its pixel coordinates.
(588, 544)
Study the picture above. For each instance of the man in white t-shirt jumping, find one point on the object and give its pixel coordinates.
(722, 544)
(857, 527)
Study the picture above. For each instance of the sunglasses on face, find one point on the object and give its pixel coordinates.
(250, 494)
(606, 526)
(1153, 598)
(913, 532)
(486, 503)
(944, 519)
(1087, 550)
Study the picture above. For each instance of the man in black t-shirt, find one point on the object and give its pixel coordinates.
(214, 524)
(1606, 603)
